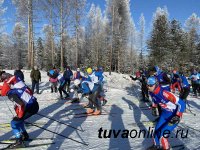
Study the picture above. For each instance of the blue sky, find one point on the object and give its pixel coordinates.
(178, 9)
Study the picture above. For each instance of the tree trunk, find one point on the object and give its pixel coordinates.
(52, 36)
(111, 46)
(61, 35)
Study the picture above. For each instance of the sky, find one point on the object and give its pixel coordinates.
(178, 9)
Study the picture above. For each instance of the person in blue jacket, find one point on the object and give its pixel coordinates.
(162, 77)
(185, 87)
(19, 73)
(195, 80)
(92, 90)
(172, 110)
(68, 75)
(61, 88)
(95, 76)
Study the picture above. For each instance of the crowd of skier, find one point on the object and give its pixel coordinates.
(157, 86)
(166, 104)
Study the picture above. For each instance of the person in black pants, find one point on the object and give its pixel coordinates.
(142, 78)
(68, 75)
(36, 78)
(185, 87)
(62, 86)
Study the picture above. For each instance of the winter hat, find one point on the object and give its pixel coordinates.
(35, 67)
(151, 81)
(89, 70)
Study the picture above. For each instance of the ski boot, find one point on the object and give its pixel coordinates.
(24, 136)
(96, 112)
(18, 144)
(104, 102)
(51, 89)
(89, 111)
(56, 89)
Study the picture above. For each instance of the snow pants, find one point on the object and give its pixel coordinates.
(17, 124)
(94, 101)
(162, 126)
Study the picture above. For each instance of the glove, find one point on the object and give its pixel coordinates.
(71, 90)
(175, 120)
(155, 111)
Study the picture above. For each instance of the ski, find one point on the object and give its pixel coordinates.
(84, 107)
(178, 147)
(7, 125)
(143, 123)
(12, 140)
(88, 115)
(28, 146)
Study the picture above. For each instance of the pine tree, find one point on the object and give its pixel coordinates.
(39, 54)
(192, 27)
(20, 45)
(159, 42)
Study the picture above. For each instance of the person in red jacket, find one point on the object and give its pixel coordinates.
(25, 105)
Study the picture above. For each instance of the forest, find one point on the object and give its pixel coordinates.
(64, 33)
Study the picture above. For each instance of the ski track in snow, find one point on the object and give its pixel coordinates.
(123, 97)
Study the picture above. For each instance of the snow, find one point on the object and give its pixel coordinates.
(124, 105)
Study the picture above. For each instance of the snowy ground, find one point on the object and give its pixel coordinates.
(125, 106)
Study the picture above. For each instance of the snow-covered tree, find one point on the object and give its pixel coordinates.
(141, 38)
(159, 41)
(19, 37)
(39, 53)
(192, 25)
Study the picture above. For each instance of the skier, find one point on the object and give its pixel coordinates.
(94, 76)
(25, 105)
(195, 77)
(92, 90)
(175, 81)
(142, 77)
(97, 77)
(68, 75)
(172, 109)
(19, 73)
(62, 86)
(103, 85)
(53, 78)
(185, 87)
(77, 74)
(162, 77)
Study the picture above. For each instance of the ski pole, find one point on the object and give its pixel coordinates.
(8, 106)
(59, 122)
(189, 108)
(57, 133)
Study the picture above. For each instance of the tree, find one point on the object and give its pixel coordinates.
(39, 53)
(8, 57)
(141, 35)
(192, 25)
(118, 14)
(25, 13)
(20, 45)
(159, 41)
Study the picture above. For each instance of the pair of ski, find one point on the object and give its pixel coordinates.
(82, 107)
(26, 144)
(82, 115)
